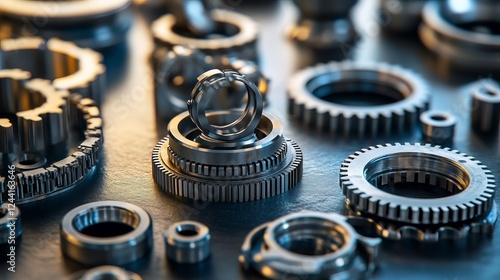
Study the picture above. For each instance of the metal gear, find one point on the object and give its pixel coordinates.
(248, 159)
(420, 191)
(42, 169)
(88, 23)
(238, 39)
(311, 245)
(68, 66)
(321, 96)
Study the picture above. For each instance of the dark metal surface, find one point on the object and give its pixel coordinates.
(131, 133)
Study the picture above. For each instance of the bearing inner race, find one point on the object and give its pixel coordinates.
(417, 175)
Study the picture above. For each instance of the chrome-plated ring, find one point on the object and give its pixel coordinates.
(187, 242)
(438, 126)
(209, 83)
(109, 272)
(85, 243)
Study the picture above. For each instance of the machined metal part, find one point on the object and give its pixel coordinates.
(226, 156)
(176, 74)
(310, 245)
(486, 107)
(421, 192)
(68, 66)
(106, 272)
(401, 16)
(324, 26)
(464, 33)
(55, 168)
(438, 126)
(10, 222)
(88, 23)
(194, 15)
(187, 242)
(106, 233)
(358, 98)
(236, 35)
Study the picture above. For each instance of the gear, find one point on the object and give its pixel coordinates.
(247, 159)
(48, 124)
(322, 96)
(239, 35)
(387, 182)
(68, 66)
(88, 23)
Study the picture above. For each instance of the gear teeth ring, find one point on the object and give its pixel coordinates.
(464, 198)
(407, 92)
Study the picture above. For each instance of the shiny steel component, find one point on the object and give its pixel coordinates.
(106, 232)
(486, 107)
(310, 245)
(438, 126)
(177, 72)
(109, 272)
(187, 242)
(41, 111)
(322, 25)
(401, 16)
(6, 137)
(420, 192)
(45, 174)
(236, 35)
(358, 98)
(88, 23)
(65, 64)
(9, 213)
(193, 15)
(226, 156)
(464, 33)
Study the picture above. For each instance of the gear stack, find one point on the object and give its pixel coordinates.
(421, 192)
(226, 156)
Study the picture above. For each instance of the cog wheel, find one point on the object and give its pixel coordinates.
(417, 184)
(327, 96)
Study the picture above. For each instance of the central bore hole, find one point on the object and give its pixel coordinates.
(107, 276)
(106, 221)
(417, 175)
(438, 118)
(358, 88)
(187, 230)
(222, 30)
(310, 236)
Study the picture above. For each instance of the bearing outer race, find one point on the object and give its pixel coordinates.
(117, 250)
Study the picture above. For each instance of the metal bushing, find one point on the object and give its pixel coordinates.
(322, 25)
(421, 192)
(106, 233)
(106, 272)
(194, 15)
(68, 66)
(226, 156)
(236, 35)
(464, 35)
(39, 120)
(486, 107)
(358, 98)
(187, 242)
(401, 16)
(10, 223)
(88, 23)
(438, 126)
(310, 245)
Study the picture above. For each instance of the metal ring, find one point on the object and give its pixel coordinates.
(187, 242)
(486, 107)
(438, 126)
(10, 215)
(307, 245)
(209, 83)
(193, 15)
(109, 272)
(106, 232)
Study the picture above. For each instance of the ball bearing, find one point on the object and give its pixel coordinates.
(187, 242)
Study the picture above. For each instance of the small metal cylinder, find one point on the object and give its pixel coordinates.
(187, 242)
(109, 272)
(486, 108)
(106, 232)
(438, 126)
